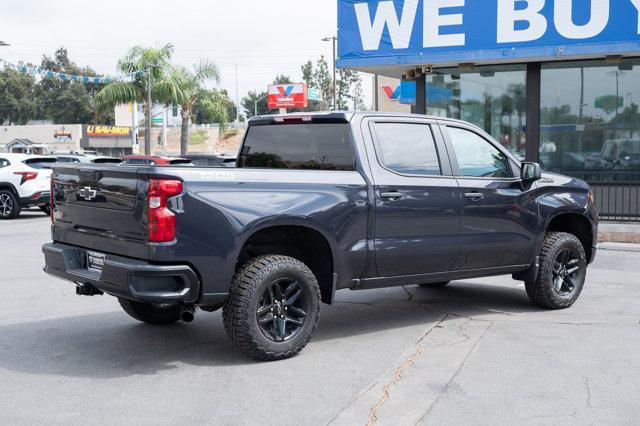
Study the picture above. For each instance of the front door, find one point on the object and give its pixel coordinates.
(417, 201)
(499, 215)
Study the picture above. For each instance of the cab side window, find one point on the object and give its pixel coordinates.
(407, 148)
(476, 156)
(3, 163)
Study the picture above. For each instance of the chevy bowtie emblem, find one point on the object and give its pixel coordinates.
(87, 193)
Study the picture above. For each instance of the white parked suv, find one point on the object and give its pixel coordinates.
(24, 182)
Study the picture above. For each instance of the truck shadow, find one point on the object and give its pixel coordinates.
(112, 345)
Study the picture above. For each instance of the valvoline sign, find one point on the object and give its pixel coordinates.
(405, 93)
(288, 95)
(431, 32)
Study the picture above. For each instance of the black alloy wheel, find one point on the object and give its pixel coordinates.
(566, 270)
(561, 273)
(9, 205)
(273, 307)
(282, 310)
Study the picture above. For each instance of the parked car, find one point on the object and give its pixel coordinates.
(153, 160)
(318, 203)
(211, 160)
(24, 182)
(85, 158)
(620, 154)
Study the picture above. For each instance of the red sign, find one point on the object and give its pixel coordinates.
(288, 95)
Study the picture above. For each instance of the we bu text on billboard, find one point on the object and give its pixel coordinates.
(395, 32)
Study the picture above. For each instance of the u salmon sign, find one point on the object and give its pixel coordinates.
(439, 32)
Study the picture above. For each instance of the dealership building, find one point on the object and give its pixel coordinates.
(554, 81)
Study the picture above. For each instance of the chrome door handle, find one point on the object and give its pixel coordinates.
(392, 195)
(474, 196)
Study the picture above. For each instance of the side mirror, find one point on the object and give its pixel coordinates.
(530, 172)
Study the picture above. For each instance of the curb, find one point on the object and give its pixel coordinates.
(619, 247)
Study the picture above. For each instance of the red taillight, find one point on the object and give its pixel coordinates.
(162, 221)
(26, 176)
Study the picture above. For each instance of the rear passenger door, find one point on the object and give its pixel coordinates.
(499, 218)
(417, 201)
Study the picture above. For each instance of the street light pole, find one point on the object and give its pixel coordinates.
(334, 40)
(255, 105)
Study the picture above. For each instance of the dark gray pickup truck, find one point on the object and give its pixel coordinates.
(318, 203)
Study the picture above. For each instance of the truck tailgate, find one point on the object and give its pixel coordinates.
(101, 207)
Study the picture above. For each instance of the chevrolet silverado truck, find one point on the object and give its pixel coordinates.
(318, 203)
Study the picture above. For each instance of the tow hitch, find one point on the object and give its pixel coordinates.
(87, 290)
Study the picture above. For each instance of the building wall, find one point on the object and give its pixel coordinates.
(43, 134)
(385, 104)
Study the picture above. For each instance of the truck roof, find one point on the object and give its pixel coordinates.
(333, 117)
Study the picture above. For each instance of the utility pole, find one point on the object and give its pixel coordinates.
(334, 40)
(237, 103)
(147, 134)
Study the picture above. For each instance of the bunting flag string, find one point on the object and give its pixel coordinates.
(85, 79)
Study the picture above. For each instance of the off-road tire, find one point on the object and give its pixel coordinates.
(435, 285)
(248, 286)
(9, 197)
(145, 312)
(541, 291)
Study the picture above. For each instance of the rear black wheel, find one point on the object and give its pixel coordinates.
(435, 285)
(9, 205)
(151, 314)
(273, 307)
(563, 269)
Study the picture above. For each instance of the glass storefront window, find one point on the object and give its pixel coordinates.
(590, 120)
(492, 98)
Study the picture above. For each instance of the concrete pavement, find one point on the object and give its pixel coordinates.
(473, 352)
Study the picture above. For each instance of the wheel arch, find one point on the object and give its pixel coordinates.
(10, 187)
(575, 224)
(300, 239)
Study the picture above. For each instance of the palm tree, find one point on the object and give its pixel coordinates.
(147, 66)
(184, 87)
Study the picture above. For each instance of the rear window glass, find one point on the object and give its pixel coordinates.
(180, 163)
(40, 163)
(322, 146)
(107, 161)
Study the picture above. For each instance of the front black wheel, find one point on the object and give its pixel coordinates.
(151, 314)
(9, 205)
(563, 269)
(273, 307)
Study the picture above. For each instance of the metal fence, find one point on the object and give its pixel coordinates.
(617, 193)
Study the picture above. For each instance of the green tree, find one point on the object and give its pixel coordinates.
(318, 77)
(248, 103)
(216, 105)
(202, 115)
(68, 101)
(346, 80)
(18, 93)
(183, 86)
(143, 64)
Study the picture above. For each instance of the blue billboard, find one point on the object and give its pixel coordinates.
(432, 32)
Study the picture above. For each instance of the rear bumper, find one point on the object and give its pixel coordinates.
(37, 199)
(123, 277)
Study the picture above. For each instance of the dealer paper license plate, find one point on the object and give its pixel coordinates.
(95, 261)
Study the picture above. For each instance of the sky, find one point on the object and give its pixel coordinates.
(263, 38)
